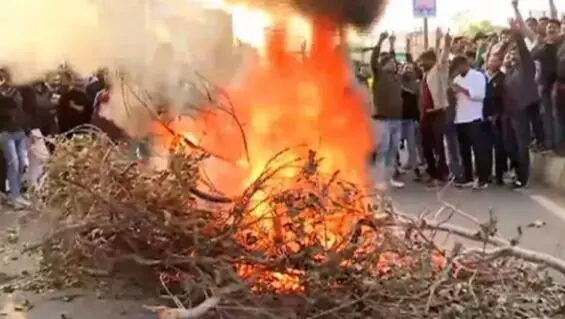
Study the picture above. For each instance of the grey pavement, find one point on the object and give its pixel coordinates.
(511, 208)
(66, 304)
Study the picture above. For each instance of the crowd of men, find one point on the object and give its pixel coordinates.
(471, 109)
(28, 112)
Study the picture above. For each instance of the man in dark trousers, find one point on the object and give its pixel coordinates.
(558, 94)
(546, 54)
(469, 87)
(492, 116)
(521, 95)
(433, 104)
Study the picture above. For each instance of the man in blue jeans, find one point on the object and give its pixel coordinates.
(13, 139)
(387, 114)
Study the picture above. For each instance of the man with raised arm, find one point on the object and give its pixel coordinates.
(521, 94)
(387, 102)
(433, 104)
(544, 52)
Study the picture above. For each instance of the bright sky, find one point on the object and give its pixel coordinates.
(497, 11)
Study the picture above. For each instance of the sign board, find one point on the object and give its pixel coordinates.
(424, 8)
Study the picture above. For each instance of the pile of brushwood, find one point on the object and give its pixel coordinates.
(311, 248)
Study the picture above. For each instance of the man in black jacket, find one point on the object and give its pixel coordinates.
(46, 108)
(13, 140)
(546, 54)
(74, 108)
(492, 116)
(521, 96)
(558, 93)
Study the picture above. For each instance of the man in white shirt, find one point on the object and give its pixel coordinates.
(470, 88)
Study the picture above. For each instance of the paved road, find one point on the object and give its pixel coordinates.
(512, 208)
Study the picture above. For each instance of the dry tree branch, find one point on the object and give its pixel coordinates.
(231, 112)
(195, 312)
(167, 127)
(503, 247)
(521, 253)
(314, 238)
(178, 313)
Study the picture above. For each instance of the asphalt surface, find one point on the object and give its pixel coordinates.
(513, 209)
(538, 211)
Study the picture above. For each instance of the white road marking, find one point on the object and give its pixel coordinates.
(549, 205)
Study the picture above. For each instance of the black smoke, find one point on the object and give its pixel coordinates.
(357, 13)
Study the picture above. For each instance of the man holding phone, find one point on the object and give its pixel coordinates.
(470, 89)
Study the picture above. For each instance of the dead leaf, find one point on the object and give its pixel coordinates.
(536, 224)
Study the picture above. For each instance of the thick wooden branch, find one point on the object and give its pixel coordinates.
(521, 253)
(190, 313)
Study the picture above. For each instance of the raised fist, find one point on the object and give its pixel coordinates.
(448, 38)
(383, 36)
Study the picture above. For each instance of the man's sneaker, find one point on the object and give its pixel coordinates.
(559, 151)
(407, 167)
(545, 151)
(432, 183)
(396, 183)
(510, 175)
(418, 175)
(401, 170)
(517, 185)
(462, 183)
(381, 188)
(480, 185)
(499, 181)
(21, 203)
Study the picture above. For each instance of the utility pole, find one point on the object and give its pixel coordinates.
(426, 34)
(425, 9)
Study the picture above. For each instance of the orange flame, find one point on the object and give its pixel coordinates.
(290, 100)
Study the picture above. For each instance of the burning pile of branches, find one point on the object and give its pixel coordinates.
(312, 249)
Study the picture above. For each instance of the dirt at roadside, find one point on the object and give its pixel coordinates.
(18, 272)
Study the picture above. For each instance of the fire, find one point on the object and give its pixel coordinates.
(293, 102)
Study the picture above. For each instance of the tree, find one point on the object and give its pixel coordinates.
(468, 27)
(484, 26)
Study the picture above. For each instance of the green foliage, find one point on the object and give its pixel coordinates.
(467, 27)
(485, 26)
